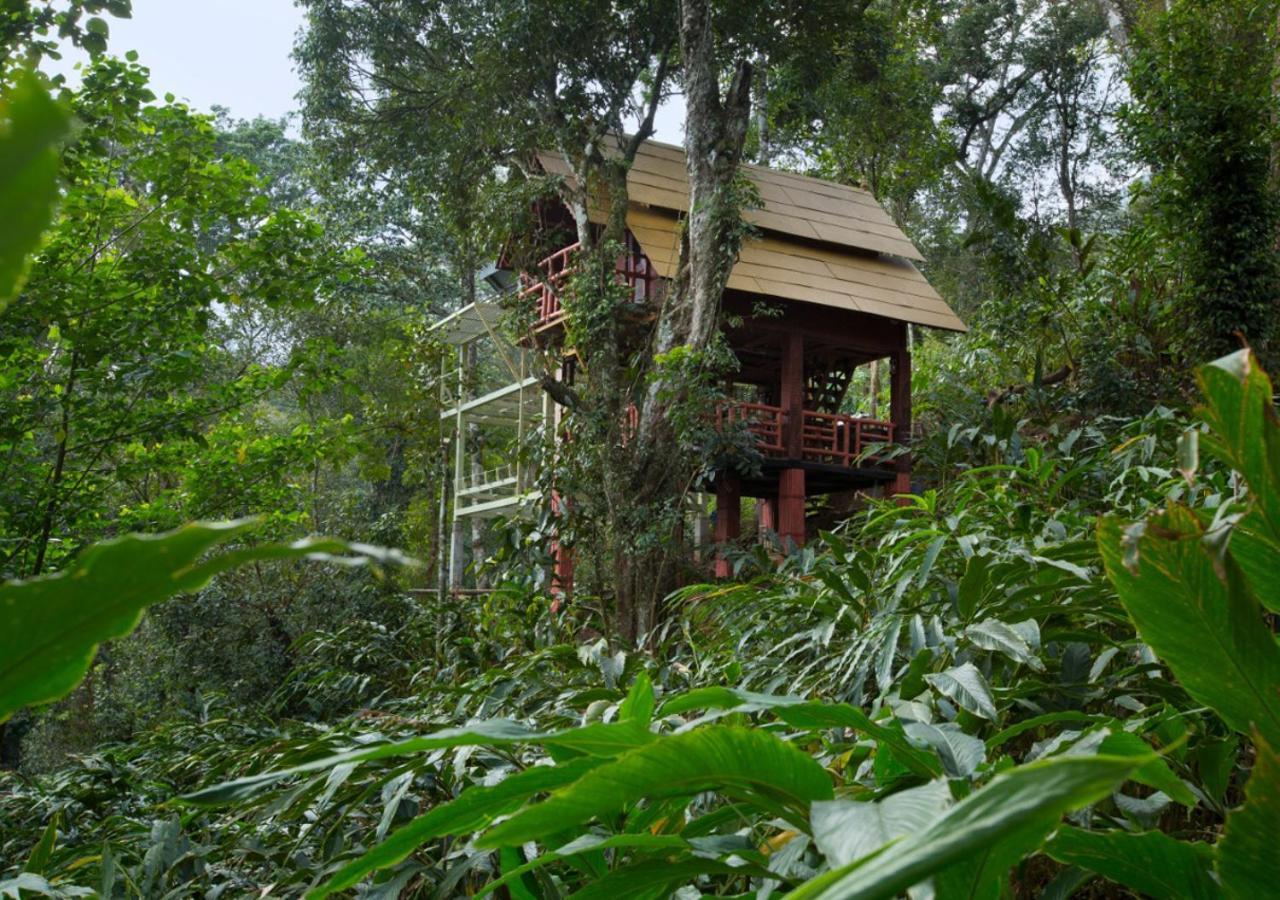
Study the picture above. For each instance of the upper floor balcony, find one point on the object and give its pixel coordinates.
(543, 290)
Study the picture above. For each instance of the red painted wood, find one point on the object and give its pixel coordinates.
(824, 437)
(791, 507)
(792, 393)
(562, 570)
(728, 519)
(900, 413)
(767, 516)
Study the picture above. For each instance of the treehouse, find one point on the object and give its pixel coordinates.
(826, 285)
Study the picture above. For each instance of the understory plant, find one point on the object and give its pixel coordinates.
(989, 690)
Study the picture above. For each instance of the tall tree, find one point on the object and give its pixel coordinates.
(448, 95)
(1204, 118)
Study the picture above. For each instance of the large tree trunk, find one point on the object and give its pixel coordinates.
(715, 130)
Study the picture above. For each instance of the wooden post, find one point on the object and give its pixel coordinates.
(792, 393)
(728, 518)
(701, 527)
(791, 528)
(791, 482)
(900, 413)
(562, 571)
(457, 543)
(766, 517)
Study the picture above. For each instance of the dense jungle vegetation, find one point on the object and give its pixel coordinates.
(1050, 671)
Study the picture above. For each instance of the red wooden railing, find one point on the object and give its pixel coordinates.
(543, 290)
(825, 437)
(765, 422)
(828, 437)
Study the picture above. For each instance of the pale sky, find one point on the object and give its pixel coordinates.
(235, 53)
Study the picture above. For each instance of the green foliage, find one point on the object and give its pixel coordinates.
(1203, 117)
(984, 690)
(31, 123)
(52, 625)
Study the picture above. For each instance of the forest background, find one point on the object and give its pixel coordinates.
(230, 318)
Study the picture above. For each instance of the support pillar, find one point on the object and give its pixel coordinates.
(900, 414)
(728, 519)
(791, 482)
(791, 528)
(766, 518)
(562, 570)
(792, 400)
(457, 556)
(701, 527)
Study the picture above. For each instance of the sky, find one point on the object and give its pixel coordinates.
(232, 53)
(235, 53)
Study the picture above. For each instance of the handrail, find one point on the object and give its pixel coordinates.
(633, 268)
(765, 422)
(824, 437)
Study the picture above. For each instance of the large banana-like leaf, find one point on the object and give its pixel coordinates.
(1245, 433)
(51, 626)
(1247, 853)
(1195, 610)
(31, 124)
(1150, 862)
(745, 764)
(1021, 805)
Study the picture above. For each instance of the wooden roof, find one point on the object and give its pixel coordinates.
(796, 205)
(821, 242)
(880, 286)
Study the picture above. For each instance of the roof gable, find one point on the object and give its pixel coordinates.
(820, 242)
(794, 205)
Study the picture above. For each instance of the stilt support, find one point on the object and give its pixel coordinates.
(766, 518)
(728, 519)
(900, 413)
(791, 508)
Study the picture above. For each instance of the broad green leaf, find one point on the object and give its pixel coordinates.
(961, 753)
(1196, 613)
(965, 686)
(800, 713)
(1155, 773)
(652, 879)
(1028, 799)
(1245, 433)
(984, 873)
(43, 849)
(512, 862)
(992, 634)
(638, 706)
(1247, 851)
(743, 764)
(1149, 862)
(726, 698)
(846, 830)
(973, 586)
(50, 626)
(474, 808)
(842, 715)
(590, 842)
(31, 124)
(596, 739)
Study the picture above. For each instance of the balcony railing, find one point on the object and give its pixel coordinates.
(543, 290)
(824, 437)
(765, 422)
